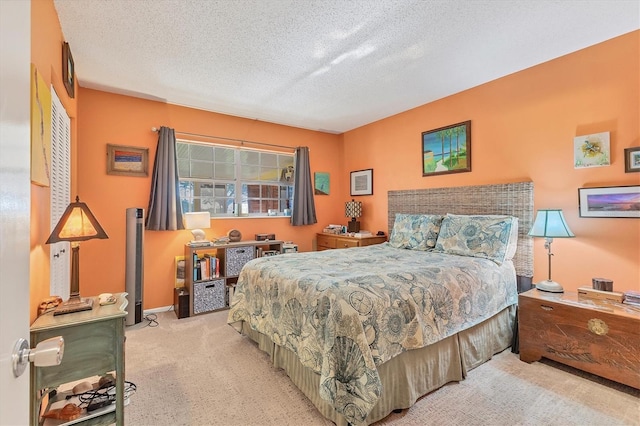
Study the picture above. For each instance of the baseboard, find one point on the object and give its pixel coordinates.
(160, 309)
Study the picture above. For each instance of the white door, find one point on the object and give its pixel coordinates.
(15, 187)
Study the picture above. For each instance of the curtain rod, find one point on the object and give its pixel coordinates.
(241, 141)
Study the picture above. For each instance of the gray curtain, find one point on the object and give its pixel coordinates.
(165, 210)
(304, 208)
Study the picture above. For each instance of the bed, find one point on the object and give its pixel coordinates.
(366, 331)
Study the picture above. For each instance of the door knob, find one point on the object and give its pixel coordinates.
(46, 353)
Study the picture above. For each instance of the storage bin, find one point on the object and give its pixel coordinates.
(208, 296)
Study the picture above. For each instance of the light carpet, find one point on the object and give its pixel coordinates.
(200, 371)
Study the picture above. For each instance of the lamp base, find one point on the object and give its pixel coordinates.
(549, 286)
(74, 304)
(353, 226)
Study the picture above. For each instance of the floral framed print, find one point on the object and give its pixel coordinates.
(591, 150)
(447, 149)
(362, 182)
(632, 159)
(612, 201)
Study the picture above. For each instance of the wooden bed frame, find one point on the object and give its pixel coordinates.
(415, 373)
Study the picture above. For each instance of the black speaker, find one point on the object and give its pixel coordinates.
(181, 302)
(134, 265)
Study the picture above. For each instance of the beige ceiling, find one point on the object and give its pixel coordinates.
(329, 65)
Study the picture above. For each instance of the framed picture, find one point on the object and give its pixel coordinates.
(612, 201)
(362, 182)
(127, 160)
(591, 150)
(68, 70)
(179, 271)
(447, 150)
(632, 159)
(321, 182)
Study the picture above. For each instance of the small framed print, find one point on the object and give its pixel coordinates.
(632, 159)
(612, 201)
(591, 150)
(362, 182)
(127, 160)
(68, 70)
(321, 180)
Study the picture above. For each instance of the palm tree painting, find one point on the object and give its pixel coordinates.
(447, 150)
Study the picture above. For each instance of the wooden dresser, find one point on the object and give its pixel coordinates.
(597, 336)
(333, 241)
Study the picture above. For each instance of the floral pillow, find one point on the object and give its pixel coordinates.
(488, 236)
(415, 231)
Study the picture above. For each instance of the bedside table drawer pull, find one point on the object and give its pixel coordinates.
(547, 307)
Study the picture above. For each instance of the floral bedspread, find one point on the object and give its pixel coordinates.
(343, 312)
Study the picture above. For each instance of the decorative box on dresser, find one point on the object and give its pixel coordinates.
(93, 346)
(327, 241)
(597, 336)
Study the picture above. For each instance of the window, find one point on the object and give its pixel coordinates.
(228, 181)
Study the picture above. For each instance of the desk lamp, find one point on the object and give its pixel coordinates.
(195, 221)
(76, 224)
(353, 209)
(550, 224)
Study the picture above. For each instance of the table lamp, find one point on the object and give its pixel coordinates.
(195, 221)
(550, 224)
(76, 224)
(353, 209)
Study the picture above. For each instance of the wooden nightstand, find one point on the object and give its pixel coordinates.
(333, 241)
(596, 336)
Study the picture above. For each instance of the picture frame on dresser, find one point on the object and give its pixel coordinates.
(362, 182)
(610, 202)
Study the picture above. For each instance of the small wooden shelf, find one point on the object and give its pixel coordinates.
(214, 293)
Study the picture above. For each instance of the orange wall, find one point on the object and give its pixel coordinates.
(46, 55)
(522, 128)
(107, 118)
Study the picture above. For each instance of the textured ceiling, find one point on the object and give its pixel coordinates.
(330, 65)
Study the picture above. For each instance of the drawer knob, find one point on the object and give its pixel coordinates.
(546, 307)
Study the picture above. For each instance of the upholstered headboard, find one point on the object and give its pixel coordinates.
(513, 199)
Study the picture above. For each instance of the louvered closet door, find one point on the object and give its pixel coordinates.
(60, 194)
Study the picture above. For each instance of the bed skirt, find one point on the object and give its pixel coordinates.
(408, 376)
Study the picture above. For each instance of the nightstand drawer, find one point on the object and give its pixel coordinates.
(326, 242)
(346, 243)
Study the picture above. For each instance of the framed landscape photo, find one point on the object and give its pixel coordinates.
(362, 182)
(447, 149)
(612, 201)
(632, 159)
(127, 160)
